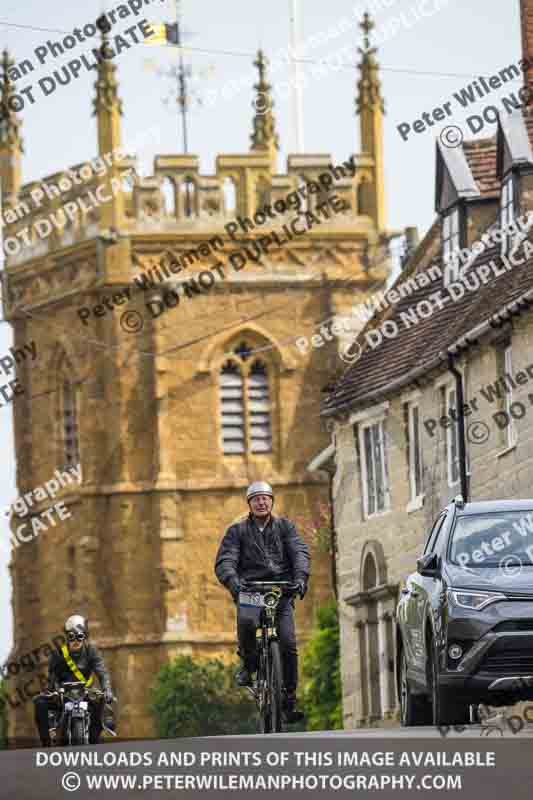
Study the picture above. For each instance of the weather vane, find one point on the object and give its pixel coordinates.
(171, 34)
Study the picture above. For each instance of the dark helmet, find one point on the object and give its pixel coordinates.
(77, 624)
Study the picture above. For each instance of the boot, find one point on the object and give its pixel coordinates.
(243, 677)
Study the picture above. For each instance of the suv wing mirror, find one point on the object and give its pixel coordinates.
(429, 566)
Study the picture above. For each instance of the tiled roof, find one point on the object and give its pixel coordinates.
(481, 157)
(419, 346)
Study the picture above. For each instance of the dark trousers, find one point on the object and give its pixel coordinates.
(44, 704)
(247, 623)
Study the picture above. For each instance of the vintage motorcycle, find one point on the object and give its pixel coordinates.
(69, 724)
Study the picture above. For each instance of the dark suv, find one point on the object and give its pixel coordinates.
(465, 617)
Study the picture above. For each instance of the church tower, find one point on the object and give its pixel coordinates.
(167, 367)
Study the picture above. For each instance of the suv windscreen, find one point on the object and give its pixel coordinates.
(483, 540)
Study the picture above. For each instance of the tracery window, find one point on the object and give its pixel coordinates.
(245, 404)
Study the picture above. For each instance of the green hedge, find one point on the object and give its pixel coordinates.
(321, 677)
(200, 698)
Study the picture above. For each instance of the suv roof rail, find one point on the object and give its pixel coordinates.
(458, 501)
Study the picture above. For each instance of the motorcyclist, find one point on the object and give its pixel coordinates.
(265, 548)
(77, 660)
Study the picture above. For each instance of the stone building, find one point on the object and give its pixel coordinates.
(171, 415)
(457, 320)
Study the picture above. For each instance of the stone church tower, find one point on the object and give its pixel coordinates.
(171, 415)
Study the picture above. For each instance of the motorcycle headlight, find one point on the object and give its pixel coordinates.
(270, 600)
(475, 601)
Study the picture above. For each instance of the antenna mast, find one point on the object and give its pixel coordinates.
(296, 74)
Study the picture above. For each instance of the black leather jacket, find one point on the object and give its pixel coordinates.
(277, 553)
(88, 660)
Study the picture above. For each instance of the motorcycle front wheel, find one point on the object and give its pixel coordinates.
(77, 732)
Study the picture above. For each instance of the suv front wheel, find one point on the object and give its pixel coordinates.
(414, 710)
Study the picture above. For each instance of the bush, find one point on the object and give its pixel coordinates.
(199, 698)
(321, 679)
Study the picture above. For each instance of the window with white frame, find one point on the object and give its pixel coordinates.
(449, 409)
(245, 416)
(451, 243)
(414, 450)
(373, 468)
(510, 431)
(507, 213)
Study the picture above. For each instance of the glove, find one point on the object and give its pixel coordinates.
(301, 588)
(234, 586)
(108, 696)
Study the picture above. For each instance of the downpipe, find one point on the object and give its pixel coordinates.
(461, 426)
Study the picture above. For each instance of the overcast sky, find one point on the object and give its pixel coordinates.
(423, 64)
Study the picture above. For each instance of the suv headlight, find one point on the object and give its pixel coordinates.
(475, 601)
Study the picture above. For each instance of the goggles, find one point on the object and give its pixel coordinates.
(75, 637)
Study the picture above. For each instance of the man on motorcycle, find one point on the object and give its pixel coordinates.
(265, 548)
(78, 660)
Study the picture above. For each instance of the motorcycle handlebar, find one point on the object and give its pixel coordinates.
(57, 693)
(286, 586)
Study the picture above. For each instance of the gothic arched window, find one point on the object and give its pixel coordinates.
(71, 446)
(245, 404)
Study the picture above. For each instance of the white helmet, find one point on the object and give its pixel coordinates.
(259, 487)
(77, 624)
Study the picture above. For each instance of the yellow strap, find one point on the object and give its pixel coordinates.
(73, 667)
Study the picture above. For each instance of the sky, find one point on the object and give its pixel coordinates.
(423, 63)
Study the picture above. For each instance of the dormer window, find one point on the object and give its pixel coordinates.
(507, 213)
(451, 244)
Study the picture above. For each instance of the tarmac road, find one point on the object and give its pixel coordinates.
(26, 775)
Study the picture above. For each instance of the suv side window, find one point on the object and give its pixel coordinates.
(437, 527)
(440, 539)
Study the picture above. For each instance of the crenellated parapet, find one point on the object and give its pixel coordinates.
(175, 208)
